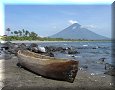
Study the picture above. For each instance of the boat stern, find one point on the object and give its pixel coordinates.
(72, 71)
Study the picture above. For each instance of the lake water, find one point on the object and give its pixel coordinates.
(89, 53)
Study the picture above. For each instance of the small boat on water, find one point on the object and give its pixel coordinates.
(49, 67)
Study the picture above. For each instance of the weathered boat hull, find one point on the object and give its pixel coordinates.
(49, 67)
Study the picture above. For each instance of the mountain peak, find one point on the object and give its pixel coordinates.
(76, 24)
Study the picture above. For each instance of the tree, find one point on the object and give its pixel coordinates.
(16, 33)
(33, 35)
(8, 30)
(27, 33)
(12, 33)
(23, 31)
(20, 33)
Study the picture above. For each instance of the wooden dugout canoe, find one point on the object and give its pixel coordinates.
(49, 67)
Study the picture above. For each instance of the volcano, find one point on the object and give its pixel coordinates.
(76, 31)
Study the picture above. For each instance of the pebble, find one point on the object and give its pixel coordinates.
(29, 80)
(111, 84)
(80, 68)
(103, 76)
(92, 74)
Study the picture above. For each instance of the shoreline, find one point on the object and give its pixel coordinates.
(26, 41)
(21, 79)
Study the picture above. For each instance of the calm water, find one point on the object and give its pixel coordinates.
(89, 53)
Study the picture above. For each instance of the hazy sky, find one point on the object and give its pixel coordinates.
(46, 20)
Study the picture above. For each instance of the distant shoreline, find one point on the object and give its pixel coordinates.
(53, 41)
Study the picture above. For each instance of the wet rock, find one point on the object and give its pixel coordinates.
(0, 49)
(5, 46)
(54, 49)
(110, 72)
(94, 48)
(83, 67)
(13, 48)
(109, 66)
(23, 46)
(68, 50)
(32, 46)
(50, 49)
(101, 61)
(50, 54)
(34, 49)
(37, 49)
(73, 56)
(9, 47)
(110, 69)
(59, 48)
(41, 49)
(72, 52)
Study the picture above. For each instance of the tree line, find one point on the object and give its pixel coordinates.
(27, 35)
(20, 33)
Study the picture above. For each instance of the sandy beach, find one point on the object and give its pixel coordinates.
(14, 78)
(26, 41)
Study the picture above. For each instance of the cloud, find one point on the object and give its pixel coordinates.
(72, 21)
(89, 26)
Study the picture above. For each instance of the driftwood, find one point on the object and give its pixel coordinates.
(49, 67)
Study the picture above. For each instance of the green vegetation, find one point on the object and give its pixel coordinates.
(27, 35)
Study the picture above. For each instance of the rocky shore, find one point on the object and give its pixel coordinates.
(14, 78)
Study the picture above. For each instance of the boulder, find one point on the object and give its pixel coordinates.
(41, 49)
(110, 72)
(101, 61)
(49, 54)
(23, 46)
(37, 49)
(54, 49)
(110, 69)
(72, 52)
(109, 66)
